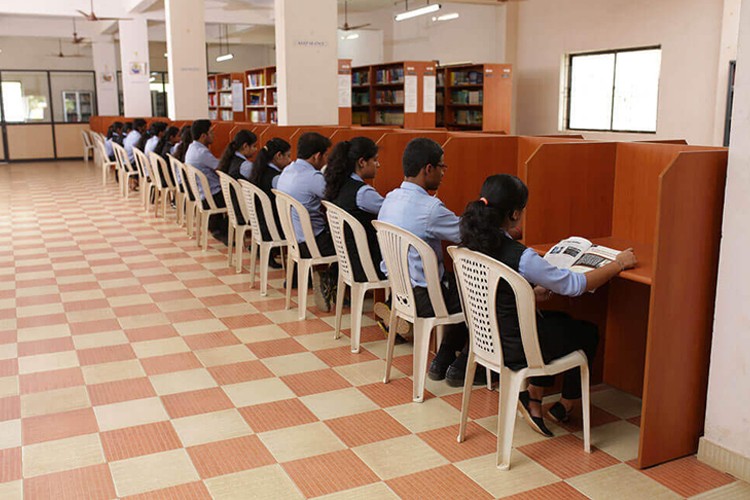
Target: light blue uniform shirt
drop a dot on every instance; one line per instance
(275, 180)
(150, 146)
(246, 167)
(410, 207)
(368, 199)
(129, 143)
(302, 182)
(108, 148)
(201, 158)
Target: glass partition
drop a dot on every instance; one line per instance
(26, 97)
(73, 96)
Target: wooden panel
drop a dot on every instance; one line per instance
(325, 131)
(690, 209)
(420, 119)
(570, 192)
(26, 142)
(346, 134)
(222, 137)
(666, 141)
(68, 140)
(391, 172)
(527, 146)
(498, 97)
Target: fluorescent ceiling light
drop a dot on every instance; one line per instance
(353, 36)
(427, 9)
(446, 17)
(165, 54)
(225, 57)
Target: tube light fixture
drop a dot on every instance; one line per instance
(228, 55)
(427, 9)
(224, 57)
(166, 55)
(353, 36)
(446, 17)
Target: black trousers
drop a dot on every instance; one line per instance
(559, 335)
(324, 242)
(454, 336)
(217, 223)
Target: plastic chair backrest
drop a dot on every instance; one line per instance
(285, 204)
(229, 186)
(187, 183)
(395, 243)
(176, 167)
(122, 158)
(252, 195)
(199, 177)
(153, 165)
(86, 138)
(160, 166)
(142, 163)
(478, 278)
(338, 220)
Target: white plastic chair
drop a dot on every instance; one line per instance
(338, 220)
(104, 162)
(125, 169)
(285, 204)
(395, 243)
(195, 177)
(478, 278)
(191, 198)
(253, 194)
(180, 190)
(146, 180)
(88, 146)
(162, 183)
(236, 233)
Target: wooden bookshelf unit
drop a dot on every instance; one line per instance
(225, 97)
(478, 97)
(213, 98)
(260, 95)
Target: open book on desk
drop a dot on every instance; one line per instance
(579, 255)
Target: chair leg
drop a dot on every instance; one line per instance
(265, 252)
(340, 292)
(230, 242)
(289, 274)
(471, 368)
(389, 346)
(303, 277)
(253, 259)
(586, 408)
(510, 386)
(422, 330)
(358, 304)
(204, 231)
(239, 246)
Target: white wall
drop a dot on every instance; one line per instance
(689, 32)
(38, 53)
(728, 411)
(364, 50)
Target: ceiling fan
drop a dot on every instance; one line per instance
(61, 54)
(346, 26)
(78, 39)
(91, 16)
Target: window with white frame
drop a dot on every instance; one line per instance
(615, 91)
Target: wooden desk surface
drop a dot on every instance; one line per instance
(644, 252)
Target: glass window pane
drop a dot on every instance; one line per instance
(26, 96)
(591, 78)
(73, 96)
(636, 90)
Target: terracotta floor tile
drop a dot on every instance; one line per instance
(271, 348)
(555, 491)
(37, 300)
(10, 408)
(139, 440)
(477, 442)
(211, 340)
(157, 278)
(105, 354)
(240, 372)
(306, 327)
(45, 320)
(137, 310)
(120, 390)
(366, 428)
(170, 363)
(94, 482)
(340, 356)
(598, 417)
(188, 491)
(441, 482)
(565, 457)
(125, 290)
(58, 426)
(150, 333)
(158, 297)
(405, 364)
(54, 379)
(396, 392)
(231, 455)
(85, 305)
(329, 473)
(277, 415)
(184, 404)
(96, 326)
(34, 283)
(483, 403)
(9, 367)
(189, 315)
(8, 337)
(10, 464)
(269, 305)
(222, 300)
(8, 313)
(304, 384)
(687, 476)
(79, 287)
(245, 321)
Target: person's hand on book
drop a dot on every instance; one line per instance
(542, 294)
(626, 259)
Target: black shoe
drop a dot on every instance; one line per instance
(399, 338)
(456, 374)
(536, 423)
(441, 363)
(273, 264)
(558, 413)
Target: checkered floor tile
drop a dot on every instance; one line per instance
(135, 365)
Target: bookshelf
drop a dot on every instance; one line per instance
(226, 96)
(260, 95)
(380, 94)
(440, 97)
(478, 97)
(213, 98)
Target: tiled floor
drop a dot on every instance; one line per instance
(132, 364)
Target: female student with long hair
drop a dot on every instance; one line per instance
(235, 161)
(485, 227)
(186, 137)
(114, 133)
(150, 139)
(165, 145)
(349, 165)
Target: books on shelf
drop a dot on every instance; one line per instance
(273, 79)
(256, 79)
(257, 116)
(273, 116)
(361, 98)
(440, 81)
(255, 99)
(212, 100)
(470, 77)
(212, 114)
(468, 117)
(226, 115)
(225, 99)
(389, 75)
(225, 83)
(361, 78)
(389, 97)
(212, 85)
(360, 117)
(467, 96)
(273, 99)
(389, 117)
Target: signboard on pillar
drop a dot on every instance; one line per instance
(105, 65)
(135, 68)
(345, 92)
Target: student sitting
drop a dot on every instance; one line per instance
(235, 161)
(134, 137)
(303, 181)
(485, 227)
(412, 208)
(270, 162)
(152, 137)
(164, 146)
(127, 127)
(179, 149)
(114, 132)
(199, 156)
